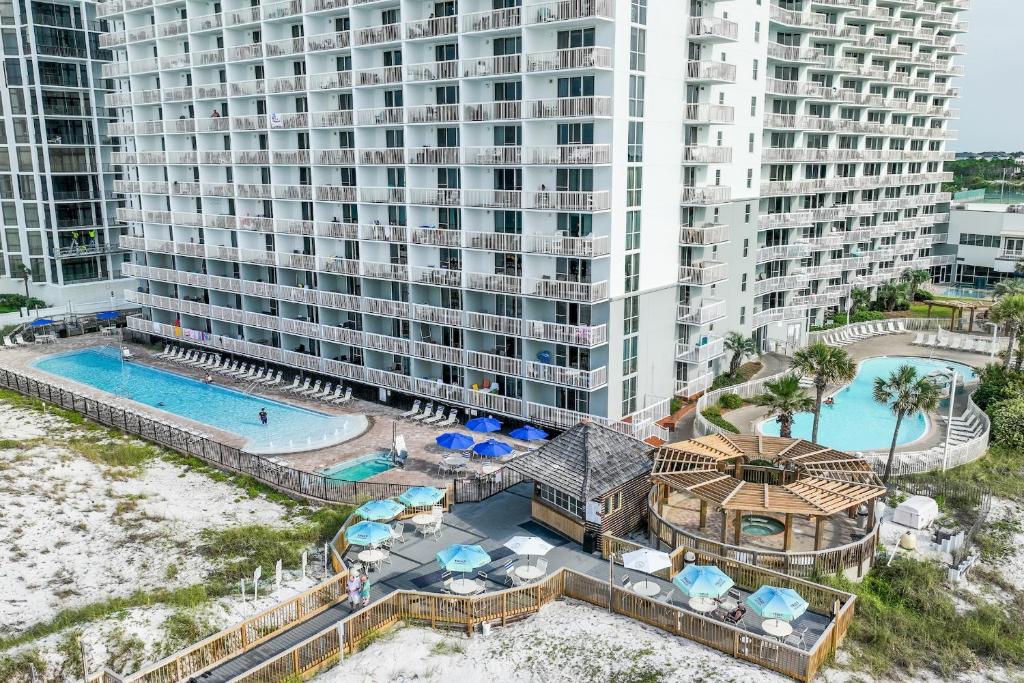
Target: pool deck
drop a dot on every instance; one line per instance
(746, 418)
(424, 454)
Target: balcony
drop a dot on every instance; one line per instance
(706, 154)
(689, 388)
(705, 196)
(563, 290)
(569, 59)
(702, 312)
(568, 200)
(709, 114)
(782, 252)
(433, 27)
(491, 66)
(712, 30)
(492, 20)
(703, 235)
(432, 71)
(569, 10)
(378, 35)
(703, 273)
(780, 283)
(710, 72)
(708, 348)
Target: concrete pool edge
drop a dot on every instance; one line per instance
(930, 424)
(242, 442)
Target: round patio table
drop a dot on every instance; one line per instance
(371, 557)
(455, 460)
(464, 587)
(648, 589)
(703, 605)
(423, 519)
(777, 627)
(529, 572)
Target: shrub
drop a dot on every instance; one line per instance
(923, 295)
(714, 416)
(730, 401)
(15, 301)
(1008, 423)
(997, 384)
(864, 316)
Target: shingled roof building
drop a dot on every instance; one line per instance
(588, 481)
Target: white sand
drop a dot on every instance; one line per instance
(567, 642)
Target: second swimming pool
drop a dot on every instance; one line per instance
(289, 428)
(855, 422)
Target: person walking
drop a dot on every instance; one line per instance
(353, 586)
(364, 589)
(263, 416)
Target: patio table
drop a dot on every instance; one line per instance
(529, 572)
(371, 557)
(777, 627)
(703, 605)
(423, 519)
(464, 587)
(455, 460)
(648, 589)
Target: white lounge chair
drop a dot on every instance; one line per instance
(199, 360)
(185, 357)
(8, 344)
(427, 412)
(918, 339)
(166, 352)
(901, 327)
(337, 394)
(242, 369)
(452, 419)
(313, 389)
(228, 368)
(259, 376)
(346, 398)
(954, 344)
(436, 417)
(932, 340)
(294, 385)
(412, 411)
(328, 388)
(254, 372)
(273, 381)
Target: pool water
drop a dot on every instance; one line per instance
(855, 422)
(965, 292)
(289, 429)
(361, 468)
(755, 525)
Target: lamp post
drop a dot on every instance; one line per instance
(949, 422)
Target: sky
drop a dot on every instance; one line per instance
(992, 91)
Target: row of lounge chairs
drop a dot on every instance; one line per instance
(955, 342)
(18, 341)
(431, 414)
(855, 333)
(213, 362)
(328, 392)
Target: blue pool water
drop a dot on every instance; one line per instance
(360, 468)
(289, 428)
(856, 422)
(965, 292)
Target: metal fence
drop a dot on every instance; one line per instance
(290, 481)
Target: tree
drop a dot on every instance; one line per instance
(827, 365)
(1009, 312)
(859, 298)
(914, 278)
(905, 393)
(740, 346)
(889, 295)
(1009, 286)
(784, 398)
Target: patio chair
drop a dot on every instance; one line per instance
(228, 368)
(667, 598)
(259, 375)
(452, 419)
(294, 385)
(542, 565)
(436, 417)
(277, 379)
(313, 389)
(238, 370)
(300, 389)
(8, 344)
(165, 352)
(345, 398)
(337, 394)
(427, 412)
(626, 583)
(326, 391)
(797, 637)
(932, 340)
(481, 586)
(735, 616)
(514, 580)
(510, 572)
(918, 339)
(199, 359)
(443, 469)
(435, 530)
(436, 510)
(412, 411)
(398, 531)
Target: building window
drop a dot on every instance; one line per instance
(629, 345)
(630, 315)
(637, 49)
(560, 499)
(632, 230)
(750, 144)
(629, 395)
(746, 247)
(753, 105)
(638, 11)
(635, 142)
(743, 282)
(746, 214)
(755, 69)
(743, 315)
(636, 95)
(634, 185)
(613, 502)
(632, 272)
(757, 30)
(750, 177)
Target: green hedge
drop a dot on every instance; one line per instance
(714, 416)
(1008, 423)
(730, 401)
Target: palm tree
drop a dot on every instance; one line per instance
(740, 346)
(888, 295)
(827, 365)
(859, 298)
(905, 393)
(1008, 287)
(1009, 311)
(784, 398)
(914, 277)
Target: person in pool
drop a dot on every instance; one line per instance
(209, 378)
(263, 415)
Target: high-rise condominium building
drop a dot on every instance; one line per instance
(55, 176)
(548, 210)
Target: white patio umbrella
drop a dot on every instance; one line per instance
(646, 560)
(528, 545)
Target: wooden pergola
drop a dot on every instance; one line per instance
(802, 478)
(958, 307)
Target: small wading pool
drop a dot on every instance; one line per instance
(360, 468)
(756, 525)
(290, 428)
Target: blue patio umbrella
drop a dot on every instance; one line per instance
(40, 322)
(528, 433)
(702, 581)
(379, 509)
(454, 441)
(421, 496)
(367, 533)
(107, 315)
(462, 558)
(492, 448)
(770, 602)
(483, 424)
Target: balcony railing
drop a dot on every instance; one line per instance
(701, 312)
(703, 273)
(708, 348)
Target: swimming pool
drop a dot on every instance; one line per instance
(360, 468)
(289, 429)
(855, 422)
(965, 292)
